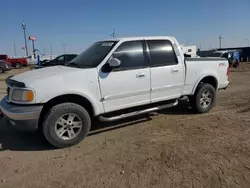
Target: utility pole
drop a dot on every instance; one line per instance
(24, 25)
(14, 49)
(220, 38)
(44, 52)
(113, 34)
(33, 46)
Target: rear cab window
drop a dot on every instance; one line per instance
(161, 53)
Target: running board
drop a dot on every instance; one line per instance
(136, 113)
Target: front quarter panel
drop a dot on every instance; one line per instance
(83, 83)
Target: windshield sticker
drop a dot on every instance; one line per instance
(107, 44)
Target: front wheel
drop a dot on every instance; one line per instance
(204, 98)
(66, 124)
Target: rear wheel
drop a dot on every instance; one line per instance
(204, 98)
(66, 124)
(18, 65)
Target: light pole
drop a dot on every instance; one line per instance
(50, 47)
(24, 25)
(247, 41)
(14, 49)
(220, 38)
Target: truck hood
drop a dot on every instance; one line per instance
(51, 82)
(58, 73)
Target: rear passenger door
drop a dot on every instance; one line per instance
(167, 74)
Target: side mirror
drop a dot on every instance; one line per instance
(114, 63)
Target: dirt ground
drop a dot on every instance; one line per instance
(172, 148)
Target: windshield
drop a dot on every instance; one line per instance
(216, 54)
(93, 55)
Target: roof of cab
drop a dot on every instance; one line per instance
(141, 38)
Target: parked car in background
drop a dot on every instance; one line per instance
(111, 80)
(232, 56)
(15, 62)
(4, 66)
(31, 60)
(60, 60)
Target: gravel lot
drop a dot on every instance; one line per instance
(172, 148)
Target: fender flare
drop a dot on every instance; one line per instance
(201, 78)
(94, 106)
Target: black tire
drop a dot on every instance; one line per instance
(195, 99)
(18, 65)
(53, 116)
(1, 70)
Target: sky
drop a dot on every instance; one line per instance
(73, 25)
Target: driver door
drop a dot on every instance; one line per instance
(128, 85)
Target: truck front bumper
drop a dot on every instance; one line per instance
(23, 117)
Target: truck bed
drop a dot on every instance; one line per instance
(198, 68)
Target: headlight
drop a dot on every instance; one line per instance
(23, 95)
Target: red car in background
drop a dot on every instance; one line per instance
(15, 62)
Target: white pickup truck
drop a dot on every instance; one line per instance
(111, 80)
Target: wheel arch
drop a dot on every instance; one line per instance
(74, 98)
(209, 79)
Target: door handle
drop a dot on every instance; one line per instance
(140, 75)
(174, 70)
